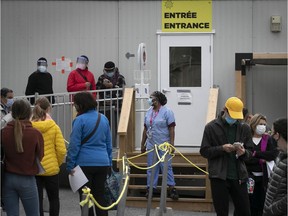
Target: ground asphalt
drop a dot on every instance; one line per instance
(70, 207)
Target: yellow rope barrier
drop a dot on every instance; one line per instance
(168, 148)
(89, 197)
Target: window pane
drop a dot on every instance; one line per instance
(185, 66)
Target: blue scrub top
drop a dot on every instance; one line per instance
(157, 126)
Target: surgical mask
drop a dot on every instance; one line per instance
(230, 120)
(260, 129)
(9, 102)
(81, 66)
(110, 74)
(42, 69)
(150, 102)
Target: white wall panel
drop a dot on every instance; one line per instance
(232, 21)
(138, 22)
(107, 30)
(263, 39)
(52, 29)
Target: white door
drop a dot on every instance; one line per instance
(185, 77)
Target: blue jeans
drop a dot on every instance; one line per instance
(23, 187)
(159, 167)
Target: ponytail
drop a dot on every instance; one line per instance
(18, 135)
(38, 113)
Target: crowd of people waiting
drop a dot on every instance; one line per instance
(247, 161)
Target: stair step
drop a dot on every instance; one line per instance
(183, 176)
(200, 200)
(173, 164)
(186, 188)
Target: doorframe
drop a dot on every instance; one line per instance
(159, 48)
(160, 33)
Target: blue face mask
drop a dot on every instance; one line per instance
(10, 102)
(110, 74)
(230, 120)
(150, 102)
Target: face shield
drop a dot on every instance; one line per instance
(81, 60)
(42, 63)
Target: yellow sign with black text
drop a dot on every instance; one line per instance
(186, 16)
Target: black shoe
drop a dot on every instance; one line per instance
(147, 193)
(173, 194)
(153, 193)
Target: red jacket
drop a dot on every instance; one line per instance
(76, 82)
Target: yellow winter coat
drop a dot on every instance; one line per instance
(54, 146)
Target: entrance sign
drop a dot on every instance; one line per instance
(186, 16)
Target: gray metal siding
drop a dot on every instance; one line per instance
(107, 30)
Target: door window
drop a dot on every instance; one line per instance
(185, 66)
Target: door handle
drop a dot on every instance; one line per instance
(165, 91)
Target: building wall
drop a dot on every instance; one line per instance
(107, 30)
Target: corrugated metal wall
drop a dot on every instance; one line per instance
(107, 30)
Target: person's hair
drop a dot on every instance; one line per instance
(254, 121)
(280, 126)
(84, 101)
(42, 105)
(245, 111)
(21, 110)
(5, 91)
(160, 97)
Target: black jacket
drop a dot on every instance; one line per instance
(254, 165)
(211, 148)
(41, 83)
(276, 195)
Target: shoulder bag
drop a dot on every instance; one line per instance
(92, 132)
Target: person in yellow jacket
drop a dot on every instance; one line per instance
(54, 154)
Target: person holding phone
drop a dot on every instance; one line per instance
(222, 146)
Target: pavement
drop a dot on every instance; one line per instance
(69, 206)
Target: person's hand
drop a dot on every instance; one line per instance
(109, 171)
(143, 149)
(107, 83)
(171, 150)
(88, 84)
(228, 148)
(72, 172)
(240, 151)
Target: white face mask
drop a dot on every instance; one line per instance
(81, 66)
(42, 68)
(260, 129)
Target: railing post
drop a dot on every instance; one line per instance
(122, 203)
(85, 208)
(149, 202)
(164, 187)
